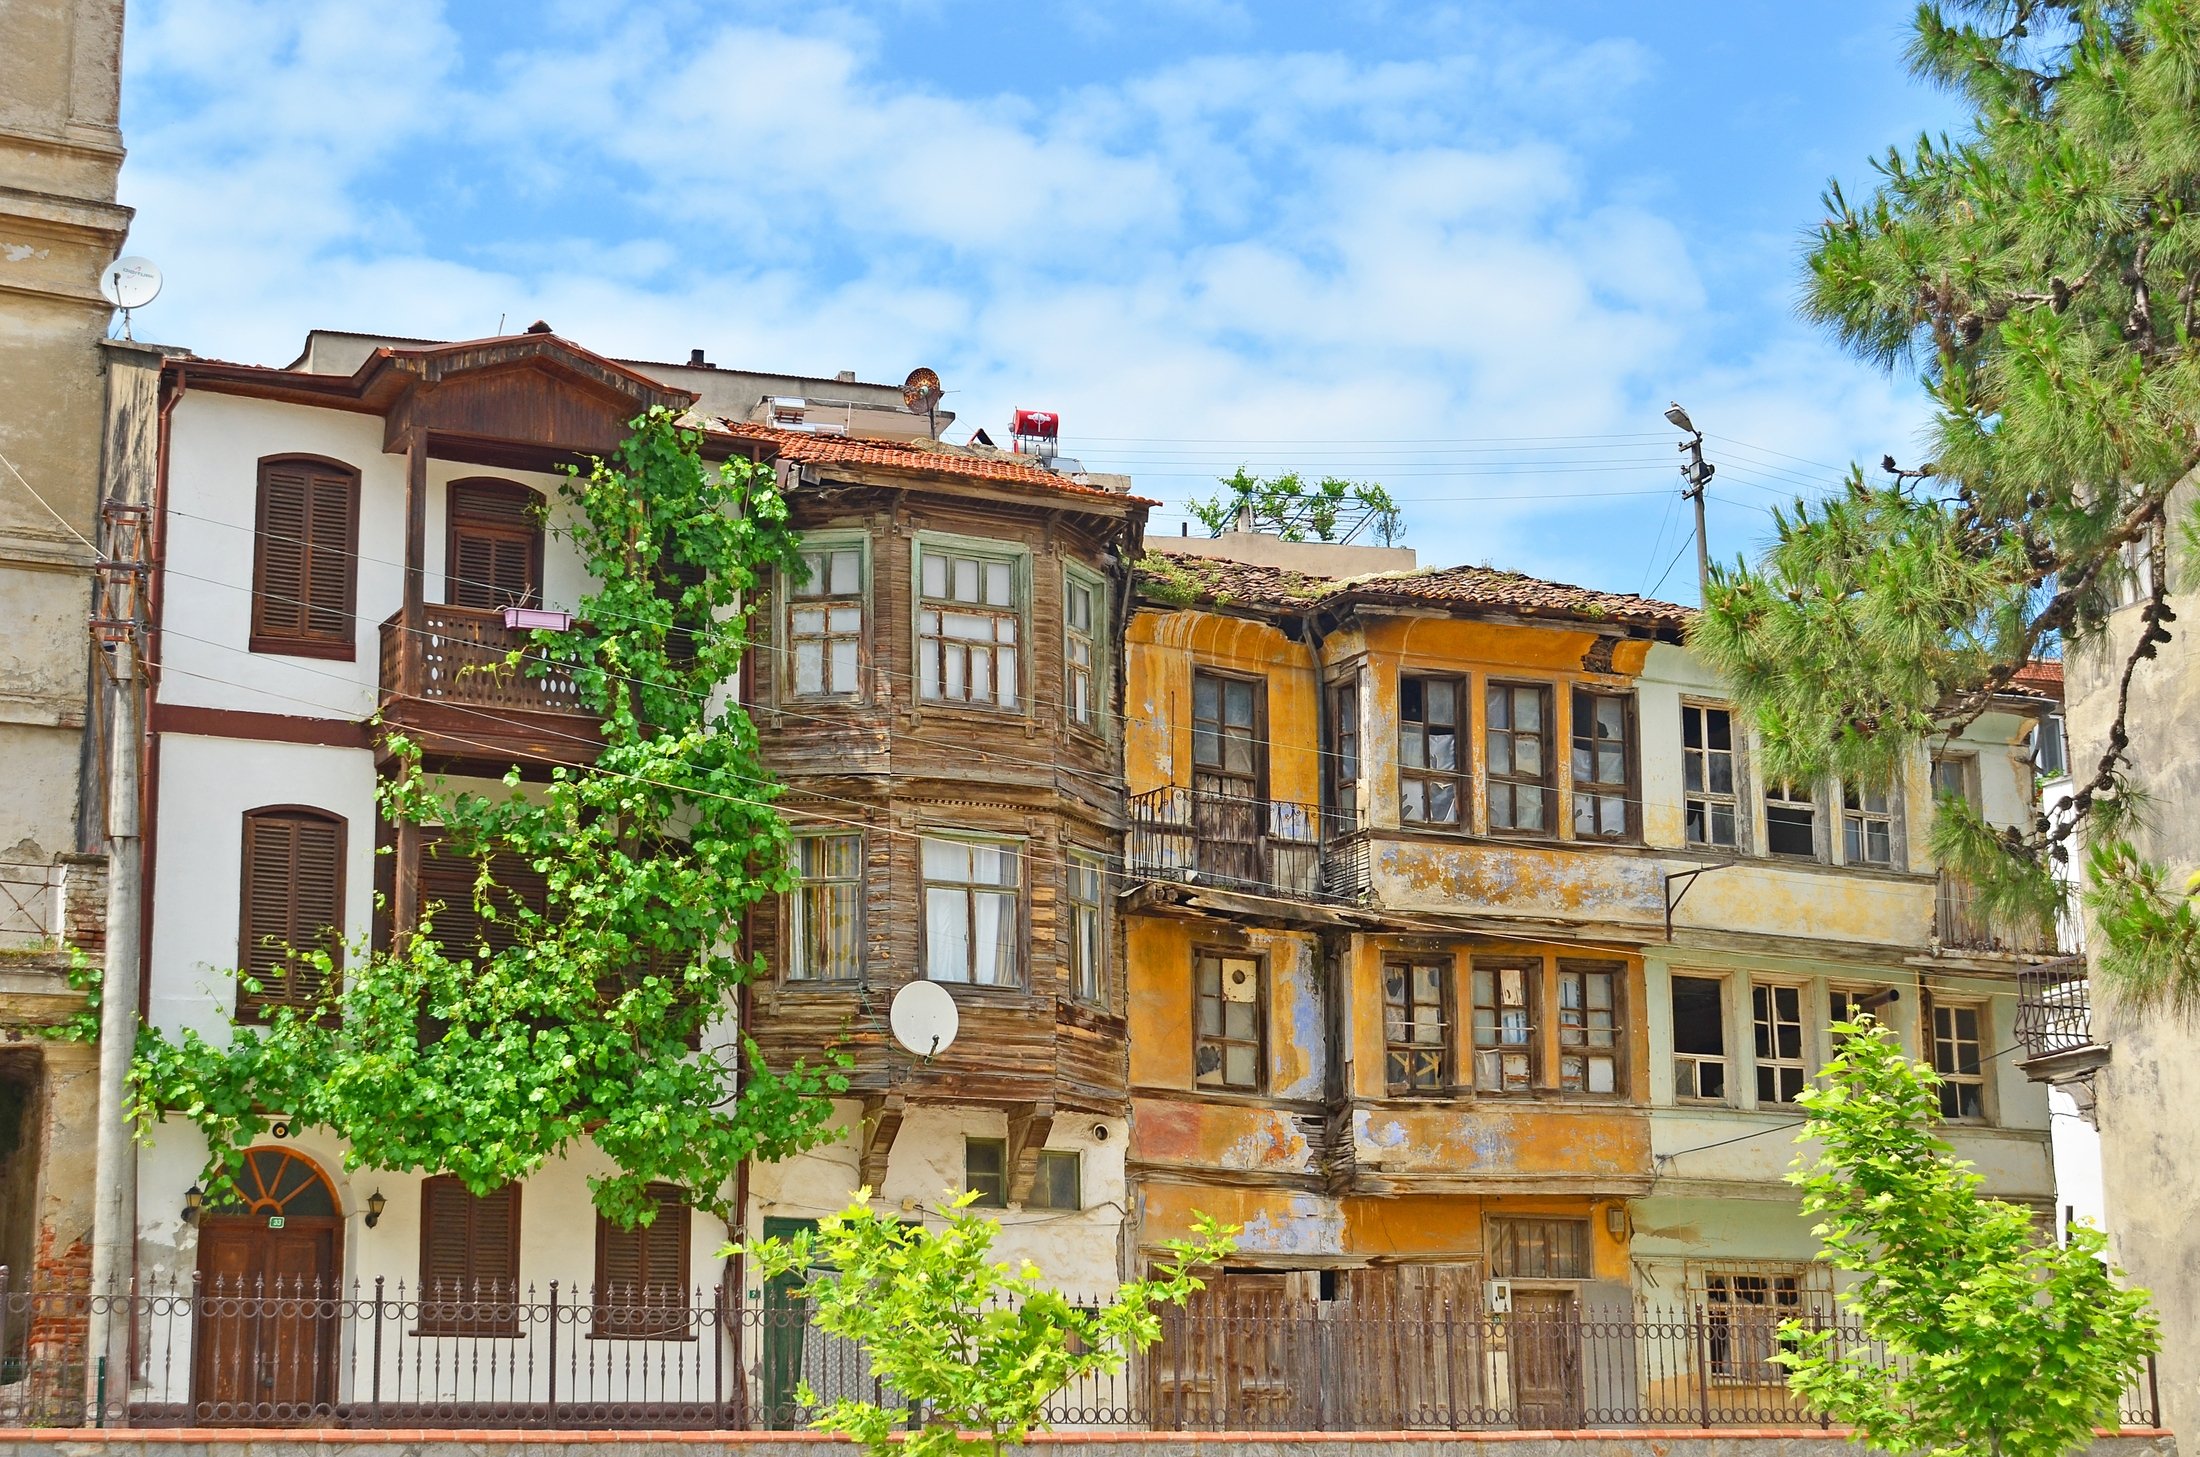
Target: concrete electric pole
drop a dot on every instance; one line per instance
(117, 629)
(1698, 473)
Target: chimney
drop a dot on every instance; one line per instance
(846, 376)
(697, 361)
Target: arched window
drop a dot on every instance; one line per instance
(276, 1181)
(293, 905)
(304, 558)
(494, 557)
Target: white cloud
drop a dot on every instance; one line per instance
(1225, 248)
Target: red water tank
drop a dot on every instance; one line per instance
(1040, 424)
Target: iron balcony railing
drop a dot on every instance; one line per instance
(1263, 846)
(1961, 925)
(2054, 1009)
(277, 1353)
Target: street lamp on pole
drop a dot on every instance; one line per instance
(1698, 473)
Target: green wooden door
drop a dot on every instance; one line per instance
(786, 1323)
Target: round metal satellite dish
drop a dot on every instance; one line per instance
(922, 390)
(131, 282)
(923, 1018)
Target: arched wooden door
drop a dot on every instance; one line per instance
(265, 1349)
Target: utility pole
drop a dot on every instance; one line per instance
(1698, 473)
(117, 630)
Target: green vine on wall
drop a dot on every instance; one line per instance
(601, 1020)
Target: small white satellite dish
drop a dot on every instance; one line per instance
(130, 283)
(923, 1018)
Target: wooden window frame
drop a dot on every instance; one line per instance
(1341, 766)
(502, 1319)
(1257, 779)
(1583, 1045)
(252, 1007)
(1532, 968)
(671, 1204)
(1783, 792)
(1952, 1075)
(1094, 638)
(1863, 816)
(1764, 999)
(1020, 978)
(1717, 1287)
(1724, 1058)
(1628, 787)
(1421, 1076)
(1087, 924)
(801, 911)
(302, 642)
(1018, 560)
(1058, 1156)
(1710, 799)
(988, 1197)
(1501, 1236)
(1202, 956)
(796, 598)
(1460, 777)
(1515, 782)
(457, 522)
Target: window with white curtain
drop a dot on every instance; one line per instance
(972, 926)
(969, 621)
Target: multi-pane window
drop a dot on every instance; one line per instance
(1082, 616)
(469, 1260)
(1416, 1023)
(293, 909)
(1059, 1183)
(1088, 944)
(1742, 1315)
(1603, 764)
(1228, 992)
(1588, 1027)
(2049, 755)
(825, 911)
(1791, 820)
(1845, 1006)
(985, 1171)
(1431, 778)
(304, 561)
(1344, 759)
(1956, 1057)
(1707, 775)
(1867, 826)
(1777, 1009)
(825, 623)
(972, 929)
(1539, 1249)
(1518, 744)
(1504, 1026)
(1699, 1039)
(1952, 776)
(969, 616)
(1226, 714)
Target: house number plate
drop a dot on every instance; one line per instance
(274, 1221)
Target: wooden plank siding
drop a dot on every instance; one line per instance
(895, 767)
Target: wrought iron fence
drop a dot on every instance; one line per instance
(287, 1353)
(1272, 847)
(2054, 1008)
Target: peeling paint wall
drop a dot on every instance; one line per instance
(1163, 649)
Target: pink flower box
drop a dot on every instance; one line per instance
(524, 618)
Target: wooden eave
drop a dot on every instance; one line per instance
(1034, 496)
(1176, 898)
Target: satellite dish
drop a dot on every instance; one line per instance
(130, 283)
(923, 1018)
(922, 391)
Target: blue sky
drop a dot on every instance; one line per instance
(1466, 251)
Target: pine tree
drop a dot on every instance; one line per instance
(2042, 272)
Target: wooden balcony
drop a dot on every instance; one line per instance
(1961, 928)
(464, 686)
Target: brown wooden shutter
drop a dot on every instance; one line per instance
(642, 1274)
(293, 902)
(449, 877)
(304, 559)
(469, 1259)
(495, 549)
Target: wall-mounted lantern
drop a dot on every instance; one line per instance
(194, 1200)
(375, 1205)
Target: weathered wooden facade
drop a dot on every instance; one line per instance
(1470, 965)
(941, 697)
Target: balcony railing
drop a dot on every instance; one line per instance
(1262, 846)
(462, 656)
(2054, 1009)
(380, 1357)
(1961, 925)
